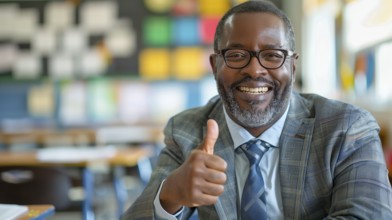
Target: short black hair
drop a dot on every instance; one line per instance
(255, 6)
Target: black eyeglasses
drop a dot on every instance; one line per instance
(269, 58)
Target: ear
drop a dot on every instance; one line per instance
(213, 64)
(294, 65)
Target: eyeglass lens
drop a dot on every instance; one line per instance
(239, 58)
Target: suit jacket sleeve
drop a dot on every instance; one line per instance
(331, 163)
(360, 178)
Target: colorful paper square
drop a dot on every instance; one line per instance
(166, 99)
(207, 29)
(188, 63)
(154, 64)
(133, 101)
(159, 6)
(156, 31)
(102, 101)
(186, 31)
(185, 7)
(213, 8)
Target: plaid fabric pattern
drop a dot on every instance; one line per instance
(253, 203)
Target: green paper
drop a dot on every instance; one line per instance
(156, 31)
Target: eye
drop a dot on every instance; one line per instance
(272, 55)
(236, 55)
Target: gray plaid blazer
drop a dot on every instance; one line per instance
(331, 162)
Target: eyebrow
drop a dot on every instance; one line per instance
(235, 45)
(270, 46)
(267, 46)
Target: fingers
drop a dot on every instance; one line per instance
(215, 177)
(206, 194)
(203, 199)
(212, 189)
(211, 137)
(216, 163)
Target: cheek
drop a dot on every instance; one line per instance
(226, 77)
(224, 74)
(217, 68)
(220, 65)
(285, 76)
(221, 79)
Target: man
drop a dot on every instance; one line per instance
(320, 159)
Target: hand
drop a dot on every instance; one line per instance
(199, 180)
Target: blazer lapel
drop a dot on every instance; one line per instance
(295, 143)
(226, 206)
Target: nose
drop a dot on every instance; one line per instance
(254, 69)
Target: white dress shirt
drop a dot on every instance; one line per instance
(268, 167)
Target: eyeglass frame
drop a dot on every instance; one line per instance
(287, 53)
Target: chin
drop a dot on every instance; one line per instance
(256, 113)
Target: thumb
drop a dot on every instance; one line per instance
(211, 137)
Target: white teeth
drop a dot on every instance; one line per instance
(259, 90)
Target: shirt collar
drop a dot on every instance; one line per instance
(240, 135)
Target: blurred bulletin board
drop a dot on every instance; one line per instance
(68, 39)
(146, 39)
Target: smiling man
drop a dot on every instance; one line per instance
(260, 150)
(255, 92)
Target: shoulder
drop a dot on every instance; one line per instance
(323, 108)
(333, 118)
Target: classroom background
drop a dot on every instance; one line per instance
(93, 73)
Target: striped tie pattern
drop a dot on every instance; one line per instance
(253, 202)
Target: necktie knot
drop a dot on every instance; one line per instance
(255, 149)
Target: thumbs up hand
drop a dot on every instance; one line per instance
(199, 180)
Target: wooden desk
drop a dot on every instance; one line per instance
(123, 157)
(38, 212)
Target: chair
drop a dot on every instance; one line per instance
(35, 185)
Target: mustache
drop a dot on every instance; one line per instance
(250, 79)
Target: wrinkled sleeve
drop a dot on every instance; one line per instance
(361, 186)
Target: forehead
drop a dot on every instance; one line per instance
(255, 28)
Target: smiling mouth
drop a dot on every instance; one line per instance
(255, 91)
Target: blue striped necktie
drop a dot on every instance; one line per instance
(253, 202)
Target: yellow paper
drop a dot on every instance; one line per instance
(154, 64)
(41, 100)
(188, 63)
(214, 8)
(159, 6)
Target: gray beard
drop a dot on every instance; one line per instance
(253, 117)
